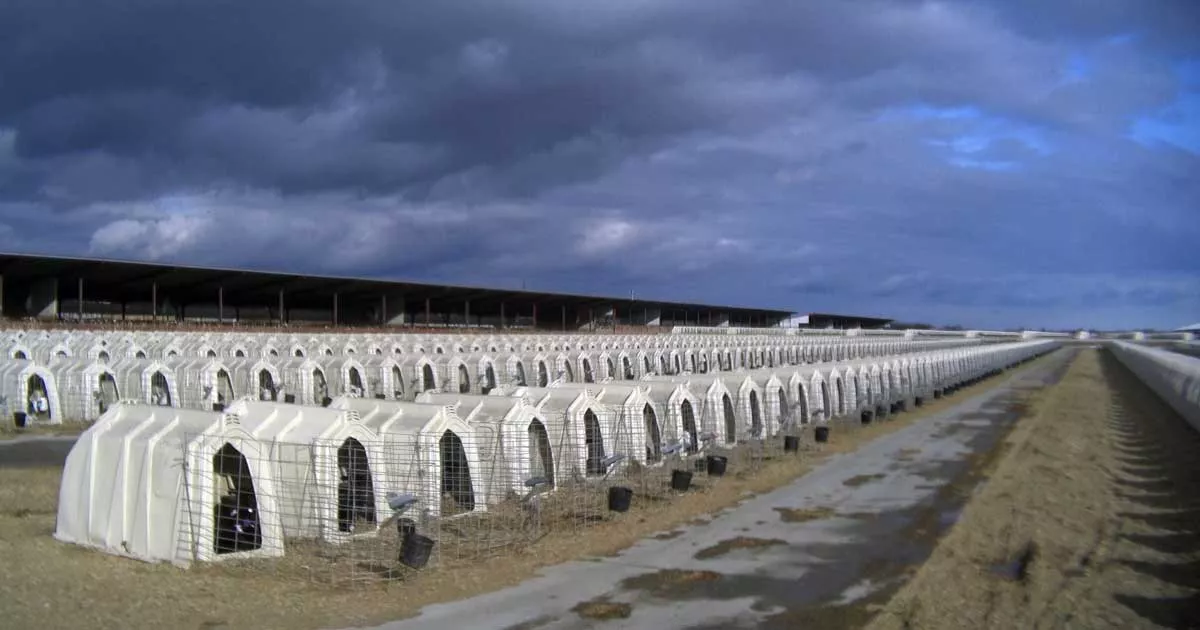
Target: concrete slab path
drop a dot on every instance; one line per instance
(33, 451)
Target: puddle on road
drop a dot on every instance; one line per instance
(741, 542)
(796, 515)
(668, 582)
(862, 480)
(602, 609)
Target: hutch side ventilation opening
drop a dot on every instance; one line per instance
(397, 383)
(756, 424)
(320, 388)
(464, 380)
(569, 372)
(594, 442)
(225, 394)
(356, 492)
(520, 374)
(730, 419)
(107, 392)
(825, 399)
(688, 420)
(356, 379)
(627, 368)
(237, 525)
(653, 436)
(39, 399)
(267, 389)
(489, 380)
(160, 390)
(541, 457)
(588, 375)
(785, 413)
(458, 493)
(841, 394)
(428, 380)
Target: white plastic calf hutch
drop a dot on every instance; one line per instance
(304, 382)
(514, 445)
(255, 377)
(717, 414)
(29, 393)
(385, 379)
(581, 428)
(204, 382)
(151, 382)
(326, 466)
(166, 484)
(86, 389)
(426, 451)
(346, 374)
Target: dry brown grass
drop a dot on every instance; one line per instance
(1091, 520)
(47, 584)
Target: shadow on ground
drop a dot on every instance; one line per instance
(1159, 472)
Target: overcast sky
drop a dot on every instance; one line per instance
(990, 164)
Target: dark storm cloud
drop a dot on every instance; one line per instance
(888, 157)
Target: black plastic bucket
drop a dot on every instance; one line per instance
(218, 406)
(619, 498)
(937, 393)
(326, 401)
(821, 434)
(902, 406)
(405, 527)
(289, 399)
(415, 550)
(681, 480)
(380, 396)
(918, 401)
(19, 419)
(867, 416)
(716, 465)
(791, 444)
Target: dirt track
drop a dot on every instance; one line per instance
(1092, 520)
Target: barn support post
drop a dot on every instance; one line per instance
(564, 317)
(502, 315)
(535, 315)
(282, 315)
(79, 306)
(428, 313)
(220, 304)
(467, 313)
(154, 302)
(383, 320)
(335, 308)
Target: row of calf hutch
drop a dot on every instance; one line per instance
(163, 483)
(52, 377)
